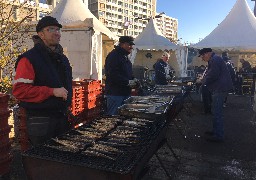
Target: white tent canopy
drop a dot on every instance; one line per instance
(236, 32)
(74, 12)
(152, 38)
(82, 37)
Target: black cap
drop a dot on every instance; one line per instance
(225, 56)
(203, 51)
(47, 21)
(126, 39)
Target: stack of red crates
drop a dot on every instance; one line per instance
(23, 133)
(86, 100)
(5, 144)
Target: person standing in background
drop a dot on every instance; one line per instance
(119, 78)
(219, 83)
(43, 83)
(162, 70)
(246, 66)
(232, 73)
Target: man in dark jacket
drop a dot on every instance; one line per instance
(231, 70)
(162, 70)
(43, 83)
(119, 79)
(246, 66)
(218, 81)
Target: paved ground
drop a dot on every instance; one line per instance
(201, 160)
(234, 159)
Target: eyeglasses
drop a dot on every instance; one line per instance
(53, 30)
(203, 54)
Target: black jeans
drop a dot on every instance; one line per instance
(42, 128)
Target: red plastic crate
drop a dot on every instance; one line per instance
(5, 165)
(88, 84)
(4, 98)
(5, 151)
(4, 119)
(4, 134)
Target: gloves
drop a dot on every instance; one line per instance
(132, 83)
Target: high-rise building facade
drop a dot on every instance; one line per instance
(128, 17)
(168, 26)
(38, 8)
(123, 16)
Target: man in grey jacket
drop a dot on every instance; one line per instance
(218, 81)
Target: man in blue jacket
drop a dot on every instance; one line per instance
(119, 79)
(218, 81)
(162, 70)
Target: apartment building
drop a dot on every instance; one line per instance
(168, 26)
(129, 17)
(123, 16)
(39, 8)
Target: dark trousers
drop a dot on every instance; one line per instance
(207, 99)
(218, 124)
(42, 128)
(113, 102)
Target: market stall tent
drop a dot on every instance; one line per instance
(236, 32)
(149, 46)
(152, 38)
(82, 38)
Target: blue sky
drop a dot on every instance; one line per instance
(197, 18)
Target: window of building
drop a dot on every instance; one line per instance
(120, 3)
(101, 13)
(102, 5)
(42, 14)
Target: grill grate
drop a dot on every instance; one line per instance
(106, 152)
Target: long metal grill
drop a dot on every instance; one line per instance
(148, 107)
(114, 144)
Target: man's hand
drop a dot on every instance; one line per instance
(60, 92)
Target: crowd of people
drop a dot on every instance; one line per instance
(237, 75)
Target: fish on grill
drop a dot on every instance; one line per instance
(89, 129)
(114, 143)
(103, 127)
(93, 135)
(96, 154)
(128, 132)
(128, 128)
(124, 141)
(134, 123)
(107, 120)
(106, 148)
(65, 145)
(142, 120)
(122, 135)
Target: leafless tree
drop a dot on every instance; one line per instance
(15, 18)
